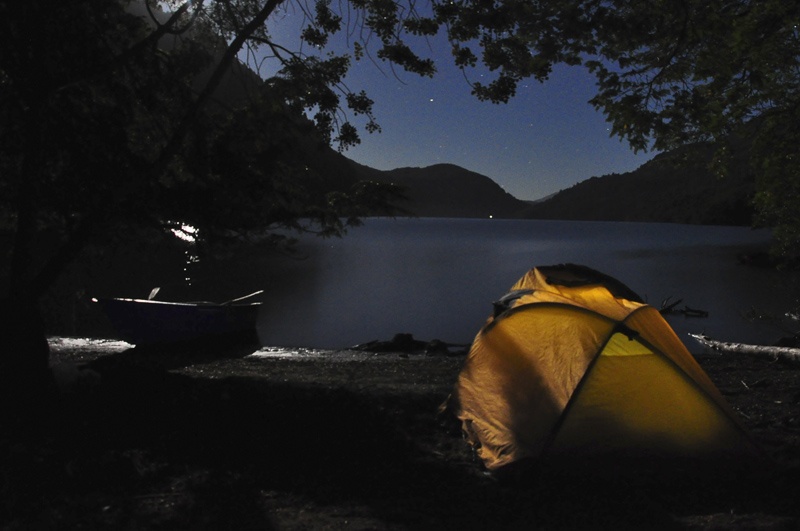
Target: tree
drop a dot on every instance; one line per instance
(669, 73)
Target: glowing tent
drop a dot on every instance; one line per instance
(573, 363)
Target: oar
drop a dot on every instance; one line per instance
(259, 292)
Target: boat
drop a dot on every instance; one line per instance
(148, 321)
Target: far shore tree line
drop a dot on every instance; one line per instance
(111, 121)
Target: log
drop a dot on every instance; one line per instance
(761, 351)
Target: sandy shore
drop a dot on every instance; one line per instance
(255, 438)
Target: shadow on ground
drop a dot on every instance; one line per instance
(152, 449)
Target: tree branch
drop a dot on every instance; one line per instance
(124, 57)
(173, 145)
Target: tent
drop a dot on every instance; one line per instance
(574, 363)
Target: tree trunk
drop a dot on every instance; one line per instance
(24, 351)
(26, 384)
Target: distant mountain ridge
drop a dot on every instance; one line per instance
(674, 187)
(447, 190)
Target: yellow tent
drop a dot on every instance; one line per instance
(573, 363)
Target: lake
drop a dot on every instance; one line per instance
(437, 278)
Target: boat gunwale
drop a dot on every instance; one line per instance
(197, 304)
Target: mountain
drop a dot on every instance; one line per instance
(674, 187)
(447, 190)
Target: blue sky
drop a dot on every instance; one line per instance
(546, 139)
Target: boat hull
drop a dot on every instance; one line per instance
(149, 322)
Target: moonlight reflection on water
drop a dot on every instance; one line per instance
(436, 278)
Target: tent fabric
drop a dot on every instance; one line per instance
(574, 363)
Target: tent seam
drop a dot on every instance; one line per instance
(551, 437)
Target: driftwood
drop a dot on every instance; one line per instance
(670, 308)
(762, 351)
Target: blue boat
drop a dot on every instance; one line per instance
(146, 322)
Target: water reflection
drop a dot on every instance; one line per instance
(184, 231)
(436, 278)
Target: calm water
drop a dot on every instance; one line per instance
(436, 278)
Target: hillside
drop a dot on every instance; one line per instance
(674, 187)
(447, 190)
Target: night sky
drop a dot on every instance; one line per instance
(546, 139)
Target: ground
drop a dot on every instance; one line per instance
(216, 438)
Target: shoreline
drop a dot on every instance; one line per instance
(344, 440)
